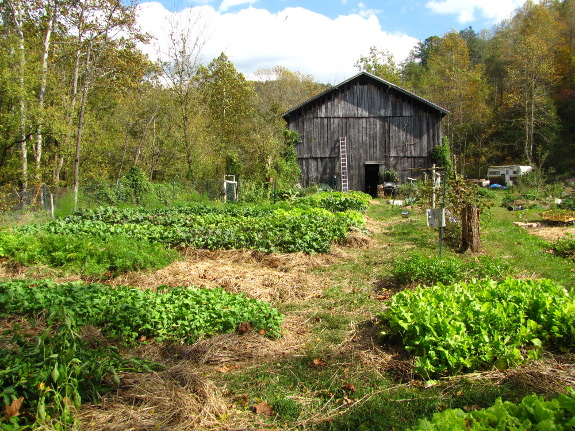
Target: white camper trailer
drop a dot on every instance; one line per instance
(506, 175)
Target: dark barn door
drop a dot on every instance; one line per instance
(371, 178)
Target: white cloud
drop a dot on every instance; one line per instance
(296, 38)
(493, 10)
(226, 4)
(364, 12)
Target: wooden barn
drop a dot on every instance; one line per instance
(361, 127)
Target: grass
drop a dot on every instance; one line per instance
(527, 253)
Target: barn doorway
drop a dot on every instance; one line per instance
(371, 178)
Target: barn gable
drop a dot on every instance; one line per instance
(385, 126)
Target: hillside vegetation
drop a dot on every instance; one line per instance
(80, 107)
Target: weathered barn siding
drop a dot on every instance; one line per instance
(383, 125)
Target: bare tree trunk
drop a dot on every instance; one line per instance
(154, 155)
(81, 127)
(124, 152)
(41, 94)
(470, 228)
(139, 149)
(57, 164)
(13, 16)
(59, 158)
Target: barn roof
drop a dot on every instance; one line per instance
(375, 78)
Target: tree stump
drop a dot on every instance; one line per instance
(470, 228)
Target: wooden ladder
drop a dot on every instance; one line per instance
(343, 161)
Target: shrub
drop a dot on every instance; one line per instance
(568, 203)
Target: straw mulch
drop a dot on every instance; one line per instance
(552, 374)
(174, 399)
(182, 397)
(275, 278)
(234, 350)
(553, 233)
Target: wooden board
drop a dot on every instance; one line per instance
(564, 216)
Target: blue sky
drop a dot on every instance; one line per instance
(317, 37)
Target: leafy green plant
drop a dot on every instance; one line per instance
(532, 413)
(421, 269)
(85, 254)
(389, 176)
(178, 313)
(136, 185)
(465, 327)
(441, 155)
(54, 371)
(337, 201)
(307, 227)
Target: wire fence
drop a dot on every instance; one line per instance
(42, 197)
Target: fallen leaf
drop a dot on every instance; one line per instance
(349, 387)
(262, 332)
(225, 368)
(318, 362)
(347, 401)
(263, 408)
(13, 409)
(245, 327)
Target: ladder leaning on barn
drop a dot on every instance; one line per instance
(343, 161)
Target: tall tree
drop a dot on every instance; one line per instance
(13, 17)
(452, 81)
(380, 62)
(99, 26)
(527, 43)
(564, 96)
(280, 89)
(230, 102)
(187, 38)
